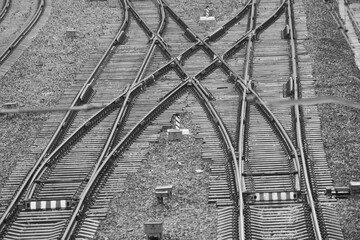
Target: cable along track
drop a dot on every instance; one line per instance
(206, 68)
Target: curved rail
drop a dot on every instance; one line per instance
(107, 159)
(297, 157)
(254, 33)
(24, 32)
(353, 19)
(60, 132)
(222, 30)
(75, 137)
(5, 9)
(98, 175)
(244, 110)
(133, 90)
(299, 137)
(220, 62)
(289, 146)
(230, 151)
(248, 38)
(162, 24)
(272, 18)
(81, 207)
(339, 22)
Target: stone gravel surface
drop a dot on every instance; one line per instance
(15, 20)
(50, 64)
(186, 215)
(337, 75)
(47, 68)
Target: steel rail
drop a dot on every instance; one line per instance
(218, 121)
(75, 137)
(131, 90)
(299, 136)
(290, 148)
(188, 32)
(339, 23)
(121, 146)
(222, 30)
(61, 130)
(13, 204)
(91, 80)
(353, 19)
(136, 84)
(222, 128)
(202, 43)
(5, 9)
(129, 96)
(118, 36)
(254, 33)
(117, 151)
(162, 24)
(272, 18)
(230, 151)
(283, 135)
(244, 107)
(22, 35)
(141, 22)
(152, 37)
(287, 141)
(71, 226)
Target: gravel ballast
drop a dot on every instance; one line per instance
(40, 76)
(186, 215)
(337, 75)
(15, 20)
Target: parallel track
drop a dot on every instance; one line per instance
(256, 151)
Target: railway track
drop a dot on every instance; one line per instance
(261, 178)
(6, 52)
(4, 9)
(276, 157)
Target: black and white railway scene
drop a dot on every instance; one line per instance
(179, 119)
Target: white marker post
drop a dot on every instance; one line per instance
(208, 15)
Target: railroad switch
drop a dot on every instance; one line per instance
(153, 230)
(163, 191)
(86, 94)
(285, 34)
(288, 88)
